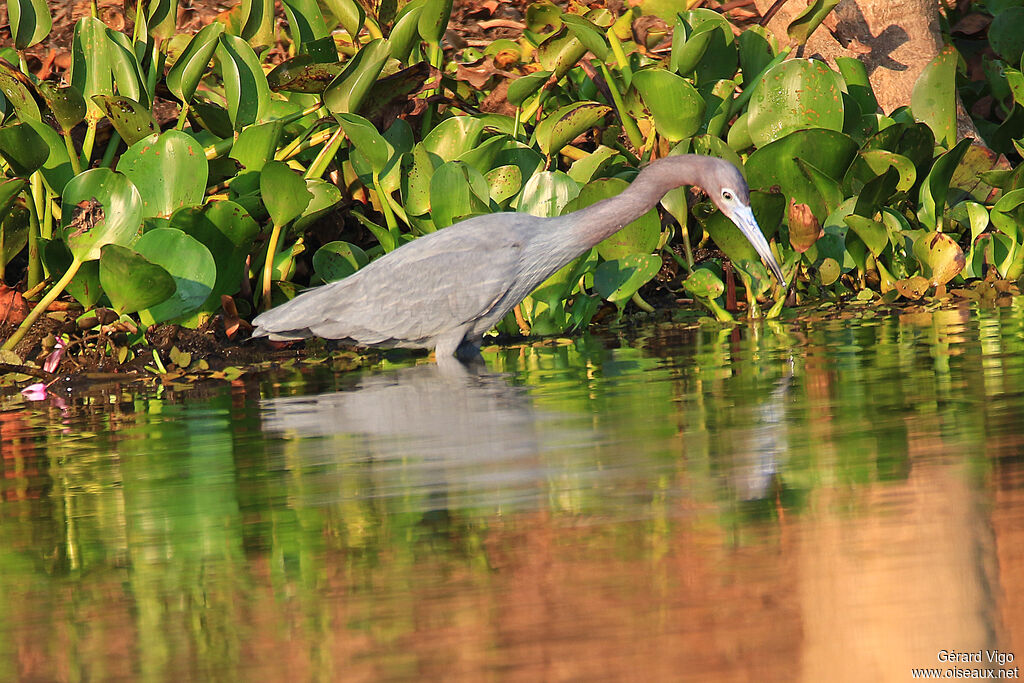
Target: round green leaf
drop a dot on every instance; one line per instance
(337, 260)
(227, 230)
(720, 58)
(941, 257)
(433, 20)
(794, 95)
(100, 207)
(283, 191)
(18, 90)
(704, 283)
(91, 67)
(347, 91)
(132, 282)
(933, 99)
(454, 137)
(677, 107)
(189, 263)
(1005, 34)
(169, 169)
(132, 120)
(57, 169)
(324, 197)
(23, 148)
(457, 190)
(370, 143)
(619, 279)
(503, 183)
(546, 193)
(66, 104)
(562, 127)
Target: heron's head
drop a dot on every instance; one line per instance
(726, 187)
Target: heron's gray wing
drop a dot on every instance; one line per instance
(428, 287)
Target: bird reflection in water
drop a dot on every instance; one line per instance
(448, 431)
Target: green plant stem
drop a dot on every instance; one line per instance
(319, 165)
(46, 227)
(628, 124)
(43, 304)
(35, 262)
(76, 163)
(268, 265)
(385, 207)
(299, 143)
(108, 153)
(620, 56)
(182, 117)
(88, 142)
(641, 304)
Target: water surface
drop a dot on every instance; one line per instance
(821, 500)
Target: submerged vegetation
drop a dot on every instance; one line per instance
(372, 122)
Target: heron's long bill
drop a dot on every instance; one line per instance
(744, 219)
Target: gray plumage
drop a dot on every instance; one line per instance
(446, 289)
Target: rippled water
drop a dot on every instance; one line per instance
(822, 500)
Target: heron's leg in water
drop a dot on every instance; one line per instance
(448, 343)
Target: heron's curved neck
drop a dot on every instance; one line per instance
(605, 218)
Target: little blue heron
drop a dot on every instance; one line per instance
(444, 290)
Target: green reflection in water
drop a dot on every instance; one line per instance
(253, 527)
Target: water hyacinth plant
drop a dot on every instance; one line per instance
(370, 119)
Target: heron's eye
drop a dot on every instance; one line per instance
(727, 195)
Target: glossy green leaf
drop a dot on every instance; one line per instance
(1006, 34)
(337, 260)
(721, 56)
(13, 225)
(524, 86)
(23, 148)
(972, 215)
(560, 53)
(757, 48)
(932, 200)
(161, 17)
(305, 22)
(30, 21)
(257, 19)
(880, 160)
(283, 191)
(857, 83)
(801, 28)
(350, 14)
(940, 256)
(346, 92)
(169, 170)
(10, 188)
(933, 99)
(117, 218)
(132, 120)
(704, 283)
(125, 68)
(873, 233)
(131, 281)
(365, 137)
(587, 33)
(546, 194)
(504, 183)
(688, 50)
(227, 230)
(619, 279)
(639, 237)
(794, 95)
(804, 165)
(245, 84)
(457, 190)
(419, 169)
(66, 104)
(57, 169)
(91, 71)
(190, 264)
(85, 286)
(677, 107)
(19, 91)
(564, 125)
(433, 20)
(405, 33)
(454, 137)
(324, 196)
(186, 72)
